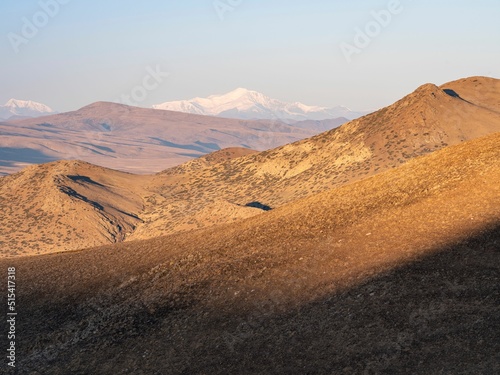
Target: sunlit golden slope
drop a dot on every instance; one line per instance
(297, 278)
(67, 205)
(480, 91)
(424, 121)
(71, 205)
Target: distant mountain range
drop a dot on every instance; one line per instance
(238, 104)
(370, 248)
(145, 140)
(225, 185)
(246, 104)
(15, 109)
(140, 140)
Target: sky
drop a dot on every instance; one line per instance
(364, 54)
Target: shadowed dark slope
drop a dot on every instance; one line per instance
(437, 315)
(398, 273)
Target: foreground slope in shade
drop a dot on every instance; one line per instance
(422, 122)
(396, 273)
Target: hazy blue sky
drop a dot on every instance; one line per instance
(290, 50)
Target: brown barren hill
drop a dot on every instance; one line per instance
(236, 183)
(133, 139)
(397, 273)
(480, 91)
(67, 205)
(70, 205)
(422, 122)
(216, 157)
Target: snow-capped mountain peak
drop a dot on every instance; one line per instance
(247, 104)
(28, 104)
(24, 108)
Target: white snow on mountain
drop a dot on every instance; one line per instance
(246, 104)
(24, 108)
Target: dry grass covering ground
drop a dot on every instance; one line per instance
(427, 120)
(48, 210)
(67, 205)
(398, 273)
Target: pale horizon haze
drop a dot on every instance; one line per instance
(87, 51)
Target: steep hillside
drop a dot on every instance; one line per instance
(67, 205)
(216, 157)
(230, 184)
(424, 121)
(480, 91)
(397, 273)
